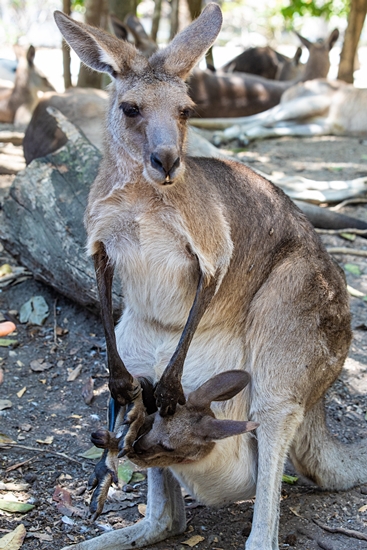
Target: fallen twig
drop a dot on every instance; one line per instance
(17, 273)
(55, 324)
(341, 231)
(16, 445)
(347, 532)
(346, 202)
(19, 464)
(352, 251)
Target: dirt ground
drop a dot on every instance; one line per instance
(51, 423)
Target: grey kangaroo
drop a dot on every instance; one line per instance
(220, 272)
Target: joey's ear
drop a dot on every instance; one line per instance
(186, 49)
(95, 47)
(334, 35)
(212, 429)
(221, 387)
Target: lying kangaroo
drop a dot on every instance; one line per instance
(220, 271)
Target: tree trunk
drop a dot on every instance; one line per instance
(122, 8)
(356, 18)
(96, 15)
(66, 8)
(194, 8)
(175, 4)
(155, 20)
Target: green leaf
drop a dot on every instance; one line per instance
(10, 506)
(289, 479)
(352, 268)
(92, 453)
(348, 236)
(137, 477)
(6, 342)
(125, 471)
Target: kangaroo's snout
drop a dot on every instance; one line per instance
(166, 162)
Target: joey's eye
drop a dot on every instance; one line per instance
(129, 109)
(185, 113)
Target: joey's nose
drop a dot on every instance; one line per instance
(165, 163)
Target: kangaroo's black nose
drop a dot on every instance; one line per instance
(166, 163)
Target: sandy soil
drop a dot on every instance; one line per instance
(51, 423)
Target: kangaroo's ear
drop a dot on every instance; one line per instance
(221, 387)
(297, 56)
(187, 48)
(31, 53)
(334, 35)
(212, 429)
(119, 28)
(303, 40)
(95, 47)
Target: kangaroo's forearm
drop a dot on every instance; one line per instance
(121, 381)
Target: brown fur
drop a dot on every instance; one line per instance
(220, 272)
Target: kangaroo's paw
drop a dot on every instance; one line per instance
(104, 475)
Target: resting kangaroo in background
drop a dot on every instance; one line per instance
(241, 94)
(220, 272)
(24, 96)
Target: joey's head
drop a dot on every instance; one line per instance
(149, 105)
(190, 434)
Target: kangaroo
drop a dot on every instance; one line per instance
(267, 62)
(19, 102)
(220, 271)
(314, 108)
(240, 94)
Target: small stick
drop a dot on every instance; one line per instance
(341, 231)
(342, 531)
(352, 251)
(16, 445)
(16, 466)
(55, 323)
(346, 202)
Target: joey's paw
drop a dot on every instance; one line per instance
(134, 419)
(123, 392)
(103, 439)
(104, 475)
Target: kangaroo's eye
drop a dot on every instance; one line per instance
(185, 113)
(129, 109)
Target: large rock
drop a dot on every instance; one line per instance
(42, 218)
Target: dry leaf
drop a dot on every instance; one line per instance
(13, 540)
(5, 404)
(21, 392)
(362, 508)
(1, 376)
(295, 512)
(87, 391)
(25, 427)
(39, 365)
(4, 439)
(47, 441)
(142, 509)
(13, 486)
(73, 375)
(193, 541)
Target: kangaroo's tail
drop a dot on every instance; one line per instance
(318, 455)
